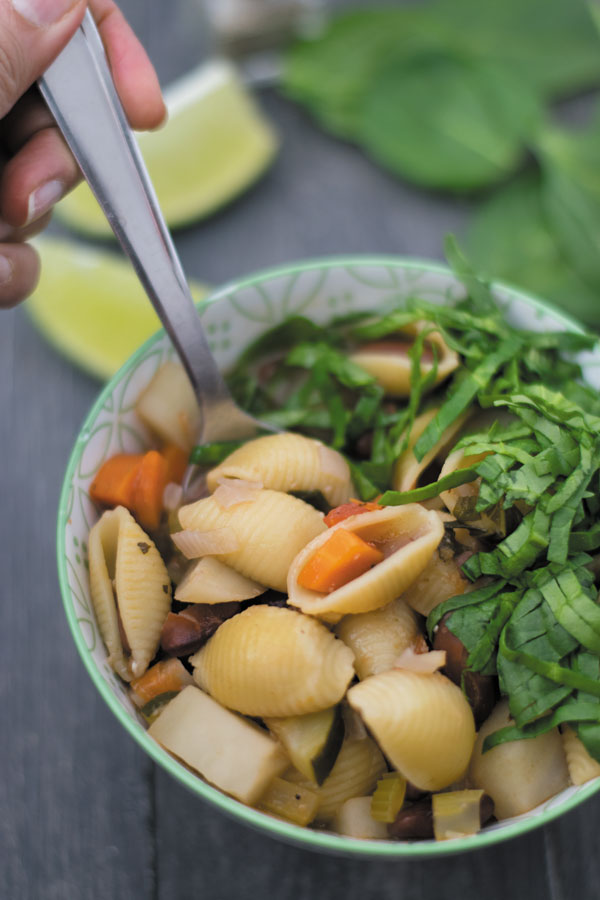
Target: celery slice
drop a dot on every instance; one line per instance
(456, 814)
(388, 797)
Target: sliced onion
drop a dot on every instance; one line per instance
(172, 496)
(333, 463)
(205, 543)
(426, 663)
(232, 491)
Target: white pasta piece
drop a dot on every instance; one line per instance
(378, 638)
(271, 661)
(288, 462)
(422, 722)
(231, 491)
(408, 469)
(407, 535)
(211, 581)
(128, 581)
(582, 767)
(356, 771)
(439, 580)
(518, 775)
(270, 531)
(392, 368)
(169, 408)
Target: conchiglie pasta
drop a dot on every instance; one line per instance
(288, 462)
(439, 580)
(422, 722)
(270, 661)
(391, 366)
(357, 769)
(582, 767)
(406, 535)
(168, 406)
(128, 581)
(270, 530)
(378, 638)
(408, 468)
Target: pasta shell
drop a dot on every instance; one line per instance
(422, 722)
(288, 462)
(270, 531)
(168, 406)
(128, 581)
(378, 638)
(408, 469)
(439, 580)
(392, 368)
(270, 661)
(407, 535)
(357, 769)
(582, 767)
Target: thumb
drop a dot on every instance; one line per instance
(32, 34)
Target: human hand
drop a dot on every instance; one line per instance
(36, 166)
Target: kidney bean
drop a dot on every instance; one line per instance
(185, 632)
(415, 821)
(479, 689)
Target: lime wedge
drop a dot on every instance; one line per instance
(90, 305)
(215, 144)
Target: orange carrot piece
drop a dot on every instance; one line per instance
(148, 490)
(343, 557)
(177, 460)
(161, 678)
(114, 482)
(352, 508)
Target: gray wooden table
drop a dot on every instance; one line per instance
(83, 812)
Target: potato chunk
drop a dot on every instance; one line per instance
(518, 775)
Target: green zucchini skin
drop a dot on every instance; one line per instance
(312, 741)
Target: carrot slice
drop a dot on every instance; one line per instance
(352, 508)
(161, 678)
(114, 482)
(343, 557)
(148, 490)
(177, 460)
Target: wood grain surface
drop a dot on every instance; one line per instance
(84, 814)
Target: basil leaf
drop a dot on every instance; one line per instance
(427, 491)
(510, 238)
(444, 120)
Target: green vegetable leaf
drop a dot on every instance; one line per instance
(447, 121)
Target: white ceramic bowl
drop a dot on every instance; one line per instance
(233, 318)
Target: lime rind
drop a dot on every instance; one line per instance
(215, 144)
(91, 307)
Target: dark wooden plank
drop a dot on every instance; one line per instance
(203, 852)
(75, 804)
(573, 860)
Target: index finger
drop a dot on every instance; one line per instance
(133, 73)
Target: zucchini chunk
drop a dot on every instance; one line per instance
(312, 741)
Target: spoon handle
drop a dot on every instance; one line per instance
(80, 92)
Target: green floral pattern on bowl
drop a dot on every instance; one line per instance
(233, 318)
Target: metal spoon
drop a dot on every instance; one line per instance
(80, 92)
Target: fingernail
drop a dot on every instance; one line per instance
(43, 199)
(6, 270)
(42, 13)
(5, 230)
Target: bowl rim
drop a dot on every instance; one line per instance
(307, 838)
